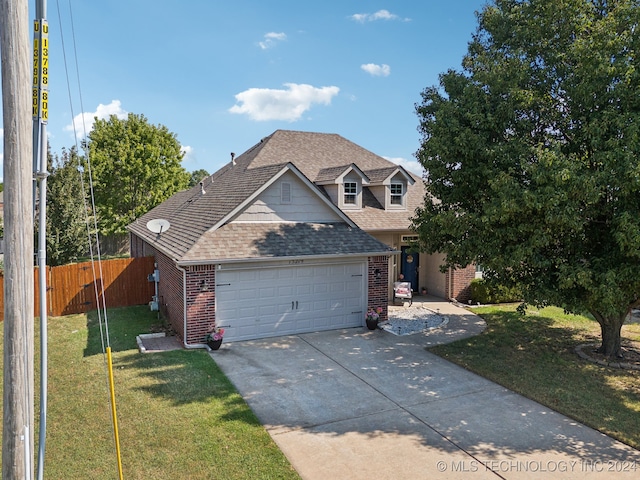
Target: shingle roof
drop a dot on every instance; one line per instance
(380, 174)
(193, 214)
(331, 173)
(260, 240)
(314, 152)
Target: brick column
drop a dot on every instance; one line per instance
(201, 302)
(378, 293)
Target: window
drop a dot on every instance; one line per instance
(396, 194)
(350, 193)
(285, 192)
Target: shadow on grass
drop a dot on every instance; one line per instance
(123, 325)
(180, 377)
(186, 377)
(534, 355)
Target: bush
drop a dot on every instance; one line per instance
(481, 292)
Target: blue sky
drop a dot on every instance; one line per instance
(223, 75)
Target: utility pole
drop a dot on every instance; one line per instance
(18, 398)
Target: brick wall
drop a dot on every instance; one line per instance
(378, 272)
(201, 302)
(459, 283)
(170, 291)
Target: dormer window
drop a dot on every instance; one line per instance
(343, 185)
(350, 193)
(397, 193)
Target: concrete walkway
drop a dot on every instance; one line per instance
(360, 404)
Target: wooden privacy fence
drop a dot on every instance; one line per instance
(71, 288)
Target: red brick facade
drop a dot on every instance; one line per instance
(201, 302)
(201, 296)
(459, 283)
(170, 286)
(379, 285)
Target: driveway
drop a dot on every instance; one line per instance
(360, 404)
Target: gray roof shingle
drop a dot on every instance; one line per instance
(193, 214)
(259, 240)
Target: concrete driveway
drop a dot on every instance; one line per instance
(360, 404)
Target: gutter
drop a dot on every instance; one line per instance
(186, 263)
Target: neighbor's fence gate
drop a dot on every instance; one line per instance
(71, 288)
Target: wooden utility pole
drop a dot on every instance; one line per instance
(18, 414)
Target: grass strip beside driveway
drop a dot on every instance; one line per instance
(179, 416)
(534, 355)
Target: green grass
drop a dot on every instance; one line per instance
(534, 356)
(178, 415)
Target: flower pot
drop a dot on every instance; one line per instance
(372, 324)
(214, 344)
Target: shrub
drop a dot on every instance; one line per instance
(481, 292)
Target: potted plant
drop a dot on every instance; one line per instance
(372, 317)
(214, 338)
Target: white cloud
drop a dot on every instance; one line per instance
(411, 165)
(383, 70)
(83, 122)
(379, 15)
(188, 152)
(270, 39)
(263, 104)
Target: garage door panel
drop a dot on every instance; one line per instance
(319, 289)
(248, 311)
(287, 300)
(266, 310)
(265, 292)
(304, 289)
(286, 290)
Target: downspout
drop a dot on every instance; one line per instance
(184, 311)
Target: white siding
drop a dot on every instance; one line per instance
(431, 276)
(333, 191)
(305, 205)
(379, 191)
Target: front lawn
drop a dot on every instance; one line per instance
(179, 416)
(534, 356)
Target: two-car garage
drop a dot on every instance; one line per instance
(267, 300)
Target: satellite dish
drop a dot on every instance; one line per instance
(158, 225)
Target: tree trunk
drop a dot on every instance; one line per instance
(610, 327)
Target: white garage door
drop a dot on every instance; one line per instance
(268, 302)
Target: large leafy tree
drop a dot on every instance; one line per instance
(67, 237)
(135, 166)
(196, 176)
(531, 153)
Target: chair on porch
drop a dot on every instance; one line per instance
(402, 290)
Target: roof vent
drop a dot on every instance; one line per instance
(233, 158)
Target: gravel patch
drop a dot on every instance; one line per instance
(407, 321)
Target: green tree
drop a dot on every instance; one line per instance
(532, 154)
(197, 175)
(135, 166)
(66, 214)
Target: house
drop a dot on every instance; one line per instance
(302, 232)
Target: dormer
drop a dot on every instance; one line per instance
(343, 185)
(389, 186)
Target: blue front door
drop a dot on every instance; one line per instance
(409, 267)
